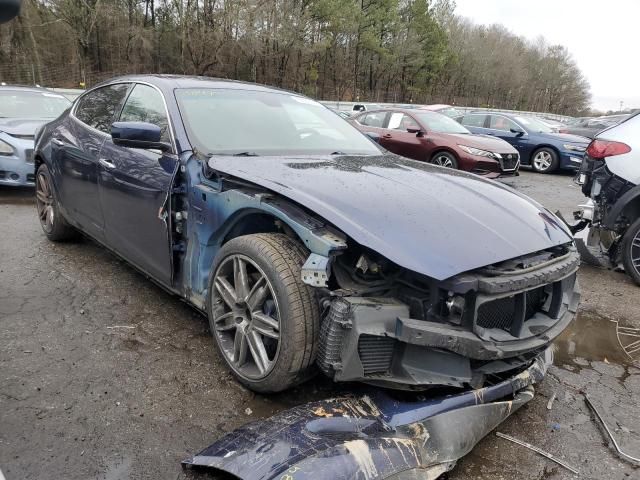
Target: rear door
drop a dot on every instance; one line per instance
(134, 188)
(398, 140)
(373, 122)
(76, 146)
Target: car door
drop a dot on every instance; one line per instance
(397, 139)
(134, 187)
(76, 144)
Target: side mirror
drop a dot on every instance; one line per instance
(517, 131)
(138, 135)
(419, 132)
(373, 136)
(9, 9)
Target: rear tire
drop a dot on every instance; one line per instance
(545, 160)
(53, 224)
(444, 159)
(264, 319)
(630, 247)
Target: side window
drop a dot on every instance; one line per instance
(401, 121)
(374, 119)
(98, 107)
(501, 123)
(473, 120)
(145, 104)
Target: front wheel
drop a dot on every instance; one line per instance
(445, 159)
(544, 160)
(264, 319)
(630, 247)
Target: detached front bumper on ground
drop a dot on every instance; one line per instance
(372, 436)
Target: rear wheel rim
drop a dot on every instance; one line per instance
(44, 203)
(634, 252)
(542, 161)
(443, 161)
(246, 317)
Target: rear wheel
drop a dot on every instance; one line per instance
(544, 160)
(264, 319)
(630, 246)
(52, 222)
(445, 159)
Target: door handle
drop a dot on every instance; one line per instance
(58, 142)
(106, 164)
(386, 135)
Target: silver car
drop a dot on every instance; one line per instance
(22, 111)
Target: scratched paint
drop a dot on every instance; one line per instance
(362, 455)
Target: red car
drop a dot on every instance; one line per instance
(435, 138)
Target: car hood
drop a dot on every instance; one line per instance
(22, 126)
(432, 220)
(564, 137)
(484, 142)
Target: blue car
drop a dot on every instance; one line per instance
(22, 111)
(274, 216)
(536, 142)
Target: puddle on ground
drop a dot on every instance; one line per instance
(592, 337)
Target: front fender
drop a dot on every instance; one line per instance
(214, 214)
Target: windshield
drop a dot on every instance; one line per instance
(534, 125)
(18, 104)
(228, 122)
(435, 122)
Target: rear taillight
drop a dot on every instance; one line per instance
(599, 149)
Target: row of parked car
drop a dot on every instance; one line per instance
(491, 144)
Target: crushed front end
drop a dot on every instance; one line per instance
(387, 326)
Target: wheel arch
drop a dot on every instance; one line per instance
(628, 205)
(446, 149)
(252, 214)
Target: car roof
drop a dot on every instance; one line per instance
(169, 82)
(434, 107)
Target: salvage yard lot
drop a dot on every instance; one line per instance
(104, 375)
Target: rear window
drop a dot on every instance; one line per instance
(473, 120)
(374, 119)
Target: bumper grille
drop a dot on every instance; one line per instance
(509, 161)
(375, 353)
(501, 313)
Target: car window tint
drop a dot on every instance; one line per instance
(98, 107)
(145, 104)
(473, 120)
(497, 122)
(374, 119)
(401, 121)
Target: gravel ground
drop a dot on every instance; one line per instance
(103, 375)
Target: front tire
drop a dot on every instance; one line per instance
(53, 224)
(545, 160)
(263, 318)
(630, 247)
(445, 159)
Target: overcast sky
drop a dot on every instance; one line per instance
(601, 35)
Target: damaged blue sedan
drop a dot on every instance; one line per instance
(307, 245)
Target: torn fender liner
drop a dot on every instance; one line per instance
(371, 436)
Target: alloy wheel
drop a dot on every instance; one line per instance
(245, 316)
(443, 161)
(635, 252)
(44, 203)
(542, 161)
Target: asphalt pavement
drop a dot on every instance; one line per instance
(104, 375)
